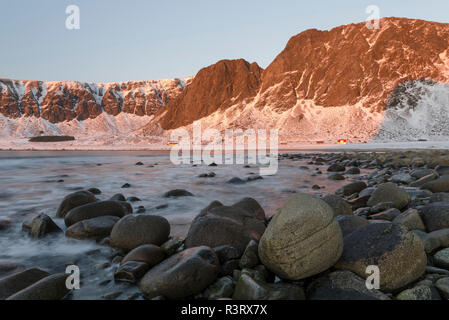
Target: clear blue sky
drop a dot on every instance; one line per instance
(148, 39)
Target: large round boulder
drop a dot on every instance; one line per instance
(133, 231)
(219, 225)
(398, 253)
(94, 210)
(389, 192)
(74, 200)
(183, 275)
(303, 239)
(435, 216)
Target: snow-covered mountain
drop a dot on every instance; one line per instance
(350, 82)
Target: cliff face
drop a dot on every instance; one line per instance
(216, 87)
(67, 100)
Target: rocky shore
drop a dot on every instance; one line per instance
(396, 218)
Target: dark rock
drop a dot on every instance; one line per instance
(133, 231)
(435, 216)
(133, 199)
(236, 180)
(336, 168)
(350, 224)
(439, 197)
(148, 253)
(250, 257)
(222, 288)
(388, 215)
(126, 185)
(219, 225)
(336, 177)
(178, 193)
(20, 280)
(40, 226)
(118, 197)
(340, 206)
(95, 228)
(419, 292)
(353, 170)
(94, 210)
(411, 220)
(439, 185)
(226, 253)
(95, 191)
(74, 200)
(131, 271)
(49, 288)
(342, 285)
(384, 245)
(182, 275)
(9, 268)
(389, 192)
(171, 246)
(352, 188)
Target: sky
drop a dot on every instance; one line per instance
(151, 40)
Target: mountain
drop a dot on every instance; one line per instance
(349, 82)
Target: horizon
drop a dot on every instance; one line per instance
(93, 54)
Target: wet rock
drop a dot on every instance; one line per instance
(40, 226)
(147, 253)
(441, 259)
(443, 287)
(5, 224)
(349, 224)
(388, 215)
(436, 271)
(236, 180)
(439, 185)
(383, 206)
(139, 163)
(118, 197)
(133, 199)
(435, 216)
(207, 175)
(133, 231)
(403, 178)
(131, 271)
(94, 191)
(384, 245)
(419, 293)
(219, 225)
(9, 268)
(185, 274)
(439, 197)
(430, 243)
(254, 178)
(126, 186)
(250, 257)
(171, 246)
(342, 285)
(411, 220)
(74, 200)
(178, 193)
(228, 267)
(94, 210)
(340, 206)
(226, 253)
(359, 202)
(353, 170)
(389, 192)
(15, 282)
(352, 188)
(336, 177)
(248, 288)
(302, 240)
(112, 295)
(336, 168)
(421, 182)
(222, 288)
(95, 228)
(52, 287)
(421, 173)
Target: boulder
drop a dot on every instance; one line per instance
(40, 226)
(21, 280)
(49, 288)
(435, 216)
(411, 220)
(148, 253)
(131, 271)
(94, 210)
(133, 231)
(340, 206)
(302, 240)
(177, 193)
(389, 192)
(398, 253)
(349, 224)
(439, 185)
(352, 188)
(95, 228)
(342, 285)
(74, 200)
(182, 275)
(219, 225)
(441, 259)
(249, 288)
(336, 168)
